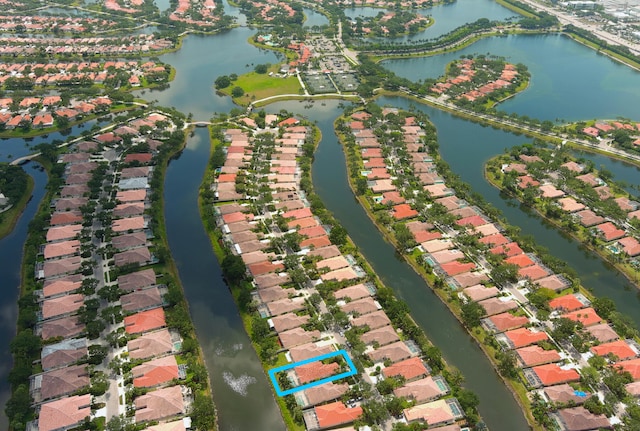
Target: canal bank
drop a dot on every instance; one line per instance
(236, 374)
(11, 248)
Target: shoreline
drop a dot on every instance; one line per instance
(439, 292)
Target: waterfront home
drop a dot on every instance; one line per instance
(587, 316)
(65, 413)
(498, 305)
(504, 322)
(155, 372)
(160, 404)
(58, 233)
(142, 299)
(310, 350)
(323, 393)
(314, 371)
(522, 337)
(354, 292)
(581, 419)
(410, 369)
(480, 292)
(145, 321)
(275, 293)
(297, 337)
(59, 306)
(54, 268)
(380, 337)
(602, 332)
(151, 344)
(424, 390)
(374, 320)
(632, 366)
(60, 249)
(630, 246)
(287, 321)
(570, 205)
(330, 416)
(569, 302)
(551, 374)
(130, 240)
(59, 382)
(531, 356)
(63, 353)
(619, 349)
(441, 412)
(66, 327)
(394, 352)
(564, 394)
(137, 280)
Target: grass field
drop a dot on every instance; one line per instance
(257, 86)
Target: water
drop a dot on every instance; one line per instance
(201, 60)
(498, 407)
(467, 146)
(447, 16)
(14, 148)
(237, 378)
(605, 89)
(11, 257)
(163, 4)
(314, 18)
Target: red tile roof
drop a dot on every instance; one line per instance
(632, 366)
(566, 303)
(587, 316)
(455, 267)
(506, 321)
(409, 369)
(334, 414)
(145, 321)
(521, 260)
(535, 355)
(524, 337)
(64, 413)
(618, 348)
(155, 372)
(315, 371)
(552, 374)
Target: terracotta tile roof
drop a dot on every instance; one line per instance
(64, 413)
(632, 366)
(521, 260)
(58, 233)
(59, 286)
(524, 337)
(62, 218)
(409, 369)
(630, 246)
(352, 292)
(137, 280)
(145, 321)
(404, 211)
(59, 249)
(334, 414)
(633, 388)
(310, 350)
(66, 327)
(286, 305)
(610, 231)
(424, 235)
(446, 256)
(315, 371)
(159, 404)
(467, 279)
(333, 263)
(288, 321)
(480, 292)
(340, 275)
(169, 426)
(317, 242)
(373, 320)
(62, 305)
(155, 372)
(505, 321)
(510, 249)
(433, 413)
(552, 374)
(602, 332)
(325, 392)
(297, 337)
(63, 381)
(434, 245)
(150, 344)
(382, 336)
(564, 394)
(566, 303)
(581, 419)
(423, 390)
(475, 221)
(619, 349)
(535, 355)
(587, 316)
(553, 282)
(455, 267)
(533, 272)
(394, 352)
(67, 265)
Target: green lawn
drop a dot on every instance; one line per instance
(257, 86)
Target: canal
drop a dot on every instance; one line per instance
(11, 256)
(237, 377)
(236, 374)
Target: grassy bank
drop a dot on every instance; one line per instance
(10, 217)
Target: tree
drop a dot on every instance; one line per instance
(222, 81)
(508, 365)
(472, 312)
(338, 235)
(604, 307)
(25, 344)
(203, 412)
(261, 68)
(374, 412)
(233, 268)
(237, 92)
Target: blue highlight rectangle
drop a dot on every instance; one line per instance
(272, 372)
